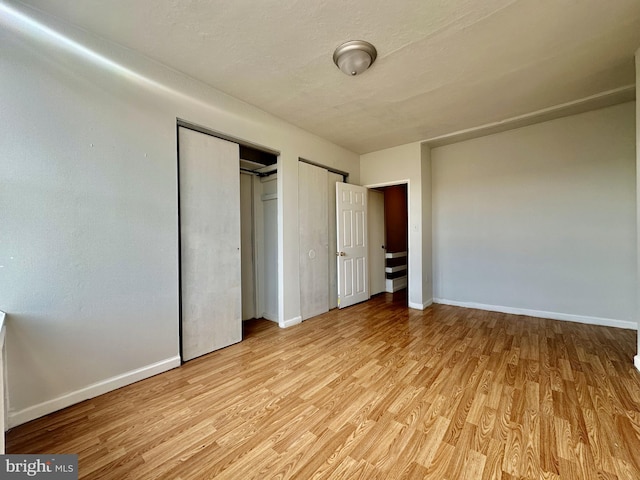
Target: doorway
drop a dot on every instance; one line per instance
(388, 233)
(259, 237)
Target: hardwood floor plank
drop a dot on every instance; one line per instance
(372, 391)
(493, 463)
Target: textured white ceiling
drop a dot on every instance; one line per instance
(443, 65)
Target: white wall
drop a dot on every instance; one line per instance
(541, 218)
(89, 242)
(3, 411)
(404, 164)
(427, 224)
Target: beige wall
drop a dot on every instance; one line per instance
(89, 208)
(541, 219)
(427, 223)
(404, 164)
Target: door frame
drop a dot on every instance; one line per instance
(372, 248)
(411, 250)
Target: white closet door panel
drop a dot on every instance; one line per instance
(270, 279)
(246, 249)
(266, 207)
(210, 243)
(333, 264)
(313, 210)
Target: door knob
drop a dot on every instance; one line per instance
(340, 254)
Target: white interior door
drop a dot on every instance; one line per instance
(209, 243)
(375, 217)
(313, 225)
(351, 226)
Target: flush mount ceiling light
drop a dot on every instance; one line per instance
(355, 56)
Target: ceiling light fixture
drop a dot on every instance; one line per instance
(355, 56)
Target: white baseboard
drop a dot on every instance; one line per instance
(91, 391)
(604, 322)
(420, 306)
(636, 361)
(291, 322)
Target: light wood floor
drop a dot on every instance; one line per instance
(376, 391)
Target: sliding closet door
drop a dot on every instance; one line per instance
(313, 217)
(209, 243)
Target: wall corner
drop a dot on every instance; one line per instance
(427, 228)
